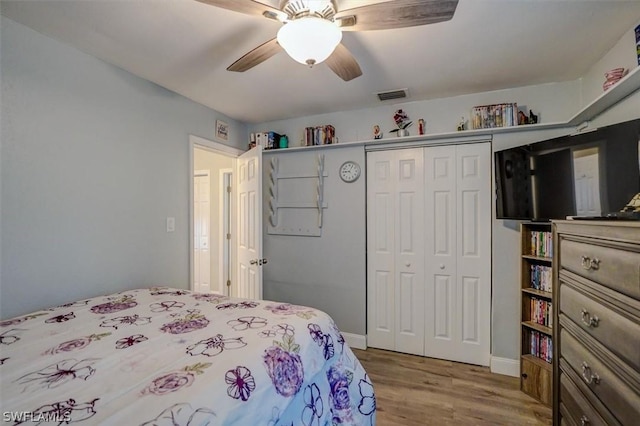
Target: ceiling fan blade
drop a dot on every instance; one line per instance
(343, 63)
(250, 7)
(396, 14)
(256, 56)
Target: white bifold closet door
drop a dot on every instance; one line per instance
(429, 251)
(395, 250)
(458, 252)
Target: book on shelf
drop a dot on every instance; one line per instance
(541, 346)
(541, 277)
(541, 312)
(497, 115)
(541, 244)
(319, 135)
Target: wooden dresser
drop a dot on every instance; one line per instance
(596, 372)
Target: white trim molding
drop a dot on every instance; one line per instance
(356, 341)
(506, 366)
(219, 148)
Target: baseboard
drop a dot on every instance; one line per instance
(506, 366)
(355, 341)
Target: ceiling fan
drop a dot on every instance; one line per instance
(312, 29)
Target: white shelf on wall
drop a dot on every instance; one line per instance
(625, 87)
(444, 137)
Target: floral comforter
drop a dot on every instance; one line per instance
(163, 356)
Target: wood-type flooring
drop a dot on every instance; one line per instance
(418, 391)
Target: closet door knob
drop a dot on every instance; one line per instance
(407, 264)
(442, 266)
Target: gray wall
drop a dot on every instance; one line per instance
(326, 272)
(93, 160)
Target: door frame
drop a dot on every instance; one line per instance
(196, 174)
(218, 148)
(225, 207)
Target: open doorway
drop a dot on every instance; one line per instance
(211, 206)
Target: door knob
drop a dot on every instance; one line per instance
(407, 264)
(253, 262)
(442, 266)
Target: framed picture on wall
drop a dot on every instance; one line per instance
(222, 130)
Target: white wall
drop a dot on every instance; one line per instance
(213, 162)
(621, 55)
(553, 102)
(93, 160)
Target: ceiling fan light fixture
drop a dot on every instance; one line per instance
(309, 40)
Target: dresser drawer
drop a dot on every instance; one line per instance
(619, 398)
(565, 417)
(616, 332)
(578, 410)
(614, 268)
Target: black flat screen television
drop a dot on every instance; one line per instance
(593, 174)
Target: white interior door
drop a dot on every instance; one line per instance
(586, 177)
(458, 255)
(440, 260)
(409, 236)
(249, 199)
(202, 234)
(395, 247)
(380, 250)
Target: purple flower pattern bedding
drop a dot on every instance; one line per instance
(163, 356)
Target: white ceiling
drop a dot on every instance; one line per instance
(186, 46)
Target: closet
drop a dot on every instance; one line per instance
(429, 251)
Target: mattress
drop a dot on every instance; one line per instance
(163, 356)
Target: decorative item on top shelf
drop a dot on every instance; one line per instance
(613, 76)
(421, 126)
(523, 119)
(402, 121)
(497, 115)
(267, 140)
(320, 135)
(284, 141)
(461, 125)
(377, 133)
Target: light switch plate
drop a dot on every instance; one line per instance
(171, 224)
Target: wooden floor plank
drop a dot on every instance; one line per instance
(419, 391)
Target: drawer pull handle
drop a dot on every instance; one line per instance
(589, 263)
(589, 376)
(588, 320)
(584, 420)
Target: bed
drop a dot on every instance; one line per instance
(164, 356)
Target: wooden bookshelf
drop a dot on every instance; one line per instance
(536, 314)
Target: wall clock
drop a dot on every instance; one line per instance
(349, 171)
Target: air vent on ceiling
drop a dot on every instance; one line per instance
(393, 94)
